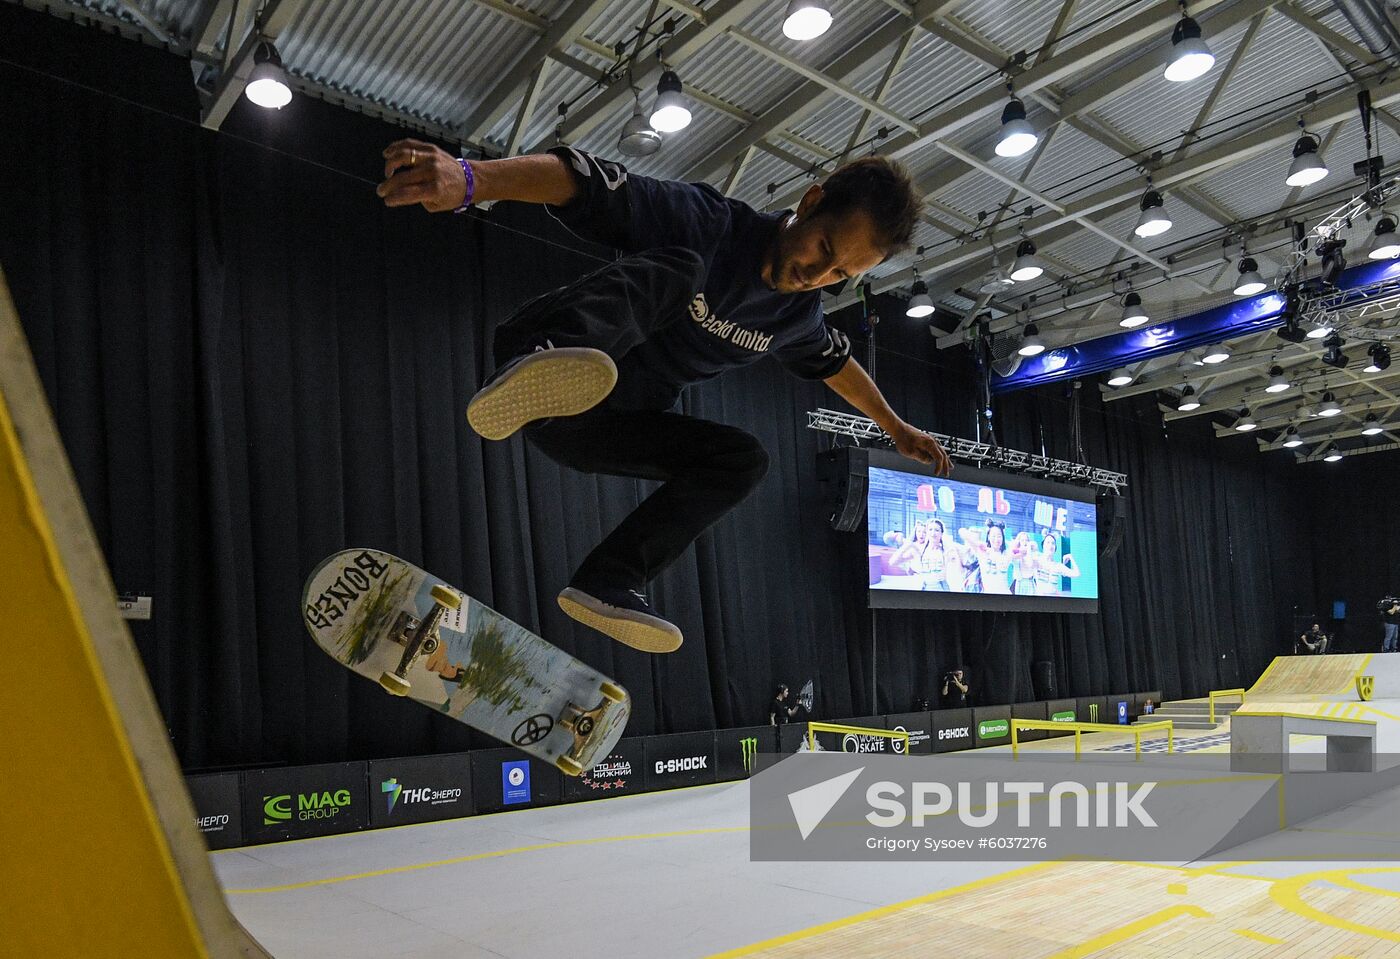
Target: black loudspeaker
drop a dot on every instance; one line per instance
(845, 470)
(1113, 523)
(1043, 679)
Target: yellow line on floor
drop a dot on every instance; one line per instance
(1259, 937)
(881, 911)
(1126, 932)
(1288, 894)
(494, 854)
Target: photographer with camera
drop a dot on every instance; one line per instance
(1390, 615)
(955, 689)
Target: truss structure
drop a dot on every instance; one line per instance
(976, 452)
(1349, 312)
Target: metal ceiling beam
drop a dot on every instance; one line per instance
(1050, 96)
(1055, 205)
(1047, 49)
(276, 14)
(1118, 81)
(1221, 82)
(1290, 418)
(204, 42)
(1256, 399)
(689, 41)
(816, 76)
(1321, 437)
(806, 97)
(1317, 455)
(146, 21)
(892, 68)
(1214, 158)
(736, 170)
(1152, 24)
(527, 106)
(576, 18)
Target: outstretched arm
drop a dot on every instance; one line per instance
(856, 387)
(418, 172)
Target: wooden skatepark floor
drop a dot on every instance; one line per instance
(668, 875)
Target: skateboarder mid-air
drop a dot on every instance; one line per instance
(706, 284)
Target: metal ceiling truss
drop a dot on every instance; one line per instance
(976, 452)
(1055, 225)
(1318, 455)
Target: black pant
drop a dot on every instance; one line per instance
(705, 468)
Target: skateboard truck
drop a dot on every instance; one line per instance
(582, 724)
(419, 637)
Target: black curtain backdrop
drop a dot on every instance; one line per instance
(1355, 542)
(254, 364)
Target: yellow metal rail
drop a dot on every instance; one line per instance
(1222, 694)
(1079, 728)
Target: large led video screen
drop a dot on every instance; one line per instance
(978, 540)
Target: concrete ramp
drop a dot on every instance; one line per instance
(101, 854)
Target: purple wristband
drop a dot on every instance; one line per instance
(471, 185)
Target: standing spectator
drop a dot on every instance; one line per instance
(781, 711)
(1391, 618)
(955, 689)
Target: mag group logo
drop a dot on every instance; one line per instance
(308, 807)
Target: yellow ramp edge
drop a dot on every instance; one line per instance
(1289, 676)
(100, 852)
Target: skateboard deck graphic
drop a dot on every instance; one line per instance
(417, 636)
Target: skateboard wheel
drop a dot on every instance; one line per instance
(447, 597)
(569, 767)
(395, 685)
(613, 693)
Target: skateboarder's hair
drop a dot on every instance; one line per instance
(882, 188)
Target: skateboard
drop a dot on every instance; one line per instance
(421, 638)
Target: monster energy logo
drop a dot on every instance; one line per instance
(750, 750)
(1093, 712)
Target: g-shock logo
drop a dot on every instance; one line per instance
(688, 764)
(954, 732)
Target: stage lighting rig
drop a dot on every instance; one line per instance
(1291, 332)
(1333, 260)
(1333, 355)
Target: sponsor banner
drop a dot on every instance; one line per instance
(618, 773)
(1120, 708)
(218, 814)
(854, 742)
(737, 750)
(509, 779)
(919, 726)
(419, 789)
(1093, 709)
(989, 807)
(952, 729)
(791, 737)
(1062, 711)
(1029, 711)
(296, 802)
(991, 725)
(681, 759)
